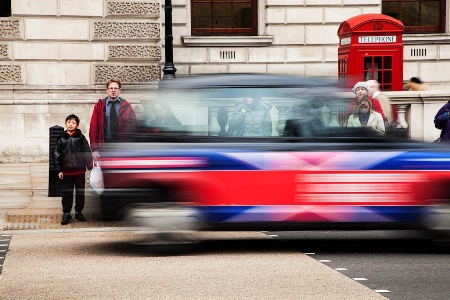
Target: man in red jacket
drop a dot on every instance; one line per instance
(112, 117)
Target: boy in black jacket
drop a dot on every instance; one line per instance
(71, 157)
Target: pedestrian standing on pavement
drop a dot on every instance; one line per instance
(71, 156)
(441, 121)
(111, 125)
(389, 110)
(112, 119)
(364, 116)
(361, 89)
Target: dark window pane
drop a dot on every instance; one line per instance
(392, 9)
(222, 15)
(429, 13)
(421, 16)
(5, 8)
(202, 13)
(243, 15)
(410, 14)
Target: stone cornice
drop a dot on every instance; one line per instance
(416, 39)
(227, 41)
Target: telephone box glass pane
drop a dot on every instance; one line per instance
(387, 63)
(369, 68)
(386, 87)
(387, 79)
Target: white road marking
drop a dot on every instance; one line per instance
(359, 279)
(273, 234)
(382, 291)
(341, 269)
(309, 253)
(324, 260)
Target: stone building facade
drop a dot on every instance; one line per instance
(56, 55)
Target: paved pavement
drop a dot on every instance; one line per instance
(99, 265)
(48, 220)
(301, 277)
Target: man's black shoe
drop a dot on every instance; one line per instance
(79, 216)
(66, 219)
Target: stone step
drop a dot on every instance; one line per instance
(14, 202)
(16, 193)
(34, 169)
(15, 182)
(24, 186)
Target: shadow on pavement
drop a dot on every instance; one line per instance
(405, 244)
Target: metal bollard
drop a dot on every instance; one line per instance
(54, 183)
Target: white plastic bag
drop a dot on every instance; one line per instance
(95, 180)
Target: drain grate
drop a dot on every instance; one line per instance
(28, 222)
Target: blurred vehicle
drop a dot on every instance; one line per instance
(308, 172)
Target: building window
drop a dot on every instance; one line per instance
(418, 16)
(224, 17)
(5, 8)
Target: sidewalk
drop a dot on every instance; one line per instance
(25, 203)
(33, 220)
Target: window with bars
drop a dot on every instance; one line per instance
(224, 17)
(418, 16)
(5, 8)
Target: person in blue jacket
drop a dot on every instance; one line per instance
(441, 122)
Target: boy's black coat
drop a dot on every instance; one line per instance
(72, 153)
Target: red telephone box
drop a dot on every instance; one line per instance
(371, 47)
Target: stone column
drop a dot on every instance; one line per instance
(282, 119)
(213, 123)
(334, 115)
(401, 120)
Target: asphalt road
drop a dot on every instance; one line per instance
(103, 265)
(403, 265)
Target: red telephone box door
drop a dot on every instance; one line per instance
(380, 69)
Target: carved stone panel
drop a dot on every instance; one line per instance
(3, 51)
(134, 52)
(134, 8)
(11, 74)
(9, 29)
(126, 30)
(129, 73)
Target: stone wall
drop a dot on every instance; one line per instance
(294, 37)
(57, 55)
